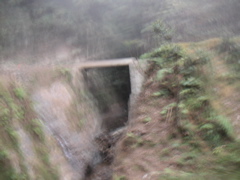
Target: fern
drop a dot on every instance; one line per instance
(166, 108)
(20, 93)
(188, 92)
(191, 82)
(161, 73)
(226, 125)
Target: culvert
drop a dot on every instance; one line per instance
(110, 87)
(134, 69)
(114, 86)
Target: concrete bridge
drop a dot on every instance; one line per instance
(136, 70)
(107, 63)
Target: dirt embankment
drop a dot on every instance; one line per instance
(68, 119)
(138, 153)
(148, 150)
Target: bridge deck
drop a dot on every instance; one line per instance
(107, 63)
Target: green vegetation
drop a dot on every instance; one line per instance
(36, 127)
(20, 93)
(134, 140)
(194, 120)
(16, 110)
(181, 75)
(147, 119)
(7, 171)
(222, 163)
(116, 29)
(119, 178)
(9, 137)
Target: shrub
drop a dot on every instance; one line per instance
(20, 93)
(165, 54)
(161, 73)
(225, 125)
(183, 77)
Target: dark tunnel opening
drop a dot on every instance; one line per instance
(111, 89)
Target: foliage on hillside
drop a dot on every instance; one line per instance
(16, 113)
(182, 77)
(201, 141)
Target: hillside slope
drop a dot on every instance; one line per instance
(187, 117)
(47, 124)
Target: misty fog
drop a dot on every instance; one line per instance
(98, 29)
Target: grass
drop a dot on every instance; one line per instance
(9, 137)
(36, 127)
(134, 140)
(15, 111)
(20, 93)
(116, 177)
(205, 105)
(195, 112)
(222, 163)
(147, 120)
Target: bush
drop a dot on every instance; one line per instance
(183, 77)
(20, 93)
(167, 53)
(225, 125)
